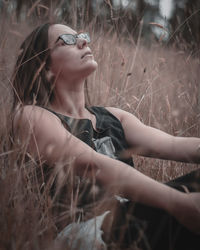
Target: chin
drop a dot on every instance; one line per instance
(90, 69)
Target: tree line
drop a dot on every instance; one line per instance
(183, 26)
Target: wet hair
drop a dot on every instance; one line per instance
(29, 80)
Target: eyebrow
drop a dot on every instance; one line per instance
(80, 31)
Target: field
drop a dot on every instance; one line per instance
(158, 84)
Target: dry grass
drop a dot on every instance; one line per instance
(159, 85)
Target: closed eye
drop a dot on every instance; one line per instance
(60, 41)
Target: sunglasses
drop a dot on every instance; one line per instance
(70, 39)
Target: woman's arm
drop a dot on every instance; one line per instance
(49, 140)
(151, 142)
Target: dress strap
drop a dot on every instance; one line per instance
(64, 119)
(104, 118)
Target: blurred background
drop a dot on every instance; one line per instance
(179, 18)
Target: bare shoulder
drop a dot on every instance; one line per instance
(35, 122)
(31, 115)
(47, 138)
(123, 115)
(42, 131)
(116, 112)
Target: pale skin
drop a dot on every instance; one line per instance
(70, 71)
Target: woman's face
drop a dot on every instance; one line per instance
(69, 61)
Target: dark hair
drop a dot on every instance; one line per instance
(29, 80)
(30, 84)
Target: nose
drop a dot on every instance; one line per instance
(81, 43)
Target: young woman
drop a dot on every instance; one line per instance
(50, 110)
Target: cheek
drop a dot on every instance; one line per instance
(62, 60)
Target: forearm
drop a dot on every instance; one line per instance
(186, 149)
(150, 142)
(182, 149)
(127, 181)
(124, 180)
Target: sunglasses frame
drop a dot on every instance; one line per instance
(82, 35)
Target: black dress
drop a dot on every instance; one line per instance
(135, 224)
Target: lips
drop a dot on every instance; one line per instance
(85, 54)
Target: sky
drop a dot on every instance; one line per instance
(166, 8)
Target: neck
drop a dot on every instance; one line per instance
(70, 98)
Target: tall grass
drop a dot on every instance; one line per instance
(160, 85)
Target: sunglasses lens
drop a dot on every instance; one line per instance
(69, 39)
(84, 36)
